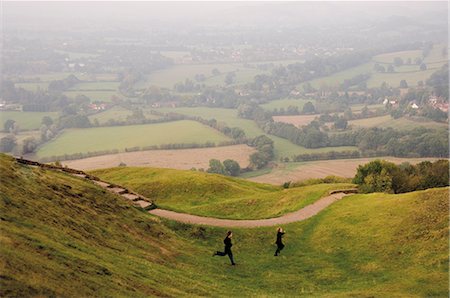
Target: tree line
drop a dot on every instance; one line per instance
(384, 176)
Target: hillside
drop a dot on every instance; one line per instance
(63, 236)
(215, 195)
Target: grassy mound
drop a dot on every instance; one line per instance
(63, 236)
(214, 195)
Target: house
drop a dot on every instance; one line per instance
(97, 107)
(385, 101)
(414, 106)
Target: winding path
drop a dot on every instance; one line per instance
(298, 215)
(146, 204)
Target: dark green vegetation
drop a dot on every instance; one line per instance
(381, 175)
(214, 195)
(62, 236)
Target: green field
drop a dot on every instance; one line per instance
(401, 123)
(26, 120)
(105, 96)
(283, 147)
(410, 73)
(168, 77)
(339, 77)
(93, 86)
(33, 86)
(116, 113)
(285, 103)
(388, 58)
(75, 239)
(215, 195)
(48, 77)
(76, 55)
(120, 137)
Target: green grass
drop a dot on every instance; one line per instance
(175, 54)
(283, 147)
(26, 120)
(62, 236)
(215, 195)
(393, 79)
(284, 103)
(401, 123)
(120, 137)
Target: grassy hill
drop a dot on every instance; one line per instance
(63, 236)
(214, 195)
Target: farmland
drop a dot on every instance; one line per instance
(401, 123)
(94, 95)
(297, 120)
(283, 147)
(183, 159)
(120, 137)
(411, 73)
(26, 120)
(168, 77)
(298, 171)
(284, 104)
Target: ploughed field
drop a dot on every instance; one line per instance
(183, 159)
(297, 171)
(76, 239)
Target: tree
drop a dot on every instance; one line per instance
(341, 123)
(215, 72)
(29, 145)
(7, 143)
(215, 166)
(8, 126)
(403, 84)
(231, 167)
(423, 66)
(390, 68)
(257, 160)
(47, 121)
(398, 61)
(229, 79)
(308, 108)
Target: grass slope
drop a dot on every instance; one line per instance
(215, 195)
(62, 236)
(120, 137)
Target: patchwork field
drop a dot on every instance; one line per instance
(320, 169)
(183, 159)
(26, 120)
(96, 86)
(283, 147)
(121, 137)
(410, 73)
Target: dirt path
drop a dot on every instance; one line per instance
(143, 202)
(299, 215)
